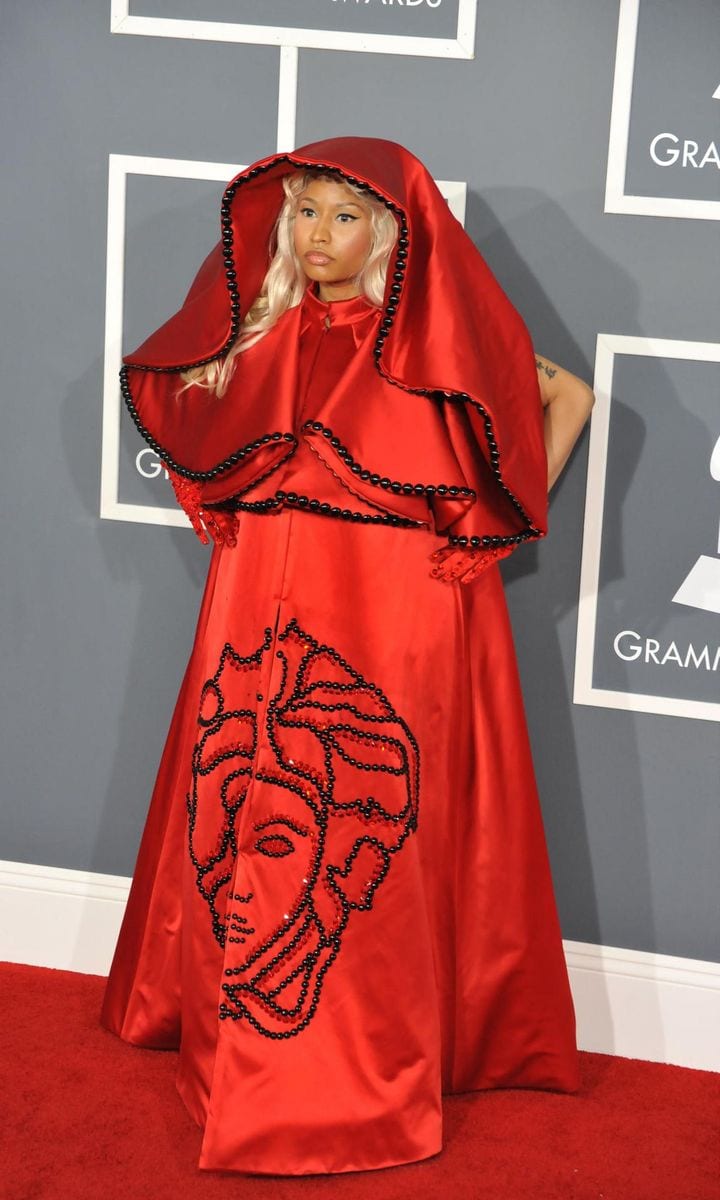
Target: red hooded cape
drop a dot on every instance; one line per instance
(440, 416)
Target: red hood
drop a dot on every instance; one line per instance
(449, 341)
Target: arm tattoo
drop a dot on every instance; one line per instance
(543, 366)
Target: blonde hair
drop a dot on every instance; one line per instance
(285, 283)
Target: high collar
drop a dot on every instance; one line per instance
(357, 312)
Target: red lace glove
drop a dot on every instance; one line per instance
(458, 565)
(220, 524)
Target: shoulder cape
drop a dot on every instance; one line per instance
(441, 412)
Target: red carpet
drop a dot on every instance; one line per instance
(87, 1117)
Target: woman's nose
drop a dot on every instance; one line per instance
(321, 232)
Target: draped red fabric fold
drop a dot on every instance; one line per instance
(450, 405)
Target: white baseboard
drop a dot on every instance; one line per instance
(650, 1006)
(627, 1002)
(53, 917)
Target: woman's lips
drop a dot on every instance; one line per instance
(317, 258)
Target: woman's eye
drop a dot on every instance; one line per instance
(344, 217)
(275, 845)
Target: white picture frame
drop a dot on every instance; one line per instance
(608, 347)
(461, 46)
(617, 200)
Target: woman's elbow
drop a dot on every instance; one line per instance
(575, 399)
(587, 399)
(582, 398)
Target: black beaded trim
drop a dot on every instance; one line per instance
(213, 871)
(306, 941)
(231, 461)
(292, 499)
(399, 268)
(486, 542)
(390, 485)
(249, 487)
(322, 508)
(490, 541)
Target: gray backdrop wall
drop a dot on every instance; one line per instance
(98, 615)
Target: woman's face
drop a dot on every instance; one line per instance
(332, 236)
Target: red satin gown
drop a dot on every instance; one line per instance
(342, 905)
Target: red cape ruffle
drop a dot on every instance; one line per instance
(443, 401)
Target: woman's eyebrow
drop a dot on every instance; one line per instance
(343, 203)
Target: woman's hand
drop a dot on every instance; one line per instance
(567, 402)
(209, 523)
(456, 565)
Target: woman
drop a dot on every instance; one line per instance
(342, 905)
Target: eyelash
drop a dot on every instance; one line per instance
(312, 210)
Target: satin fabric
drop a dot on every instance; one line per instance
(342, 905)
(450, 403)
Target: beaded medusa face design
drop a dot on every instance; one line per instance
(300, 798)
